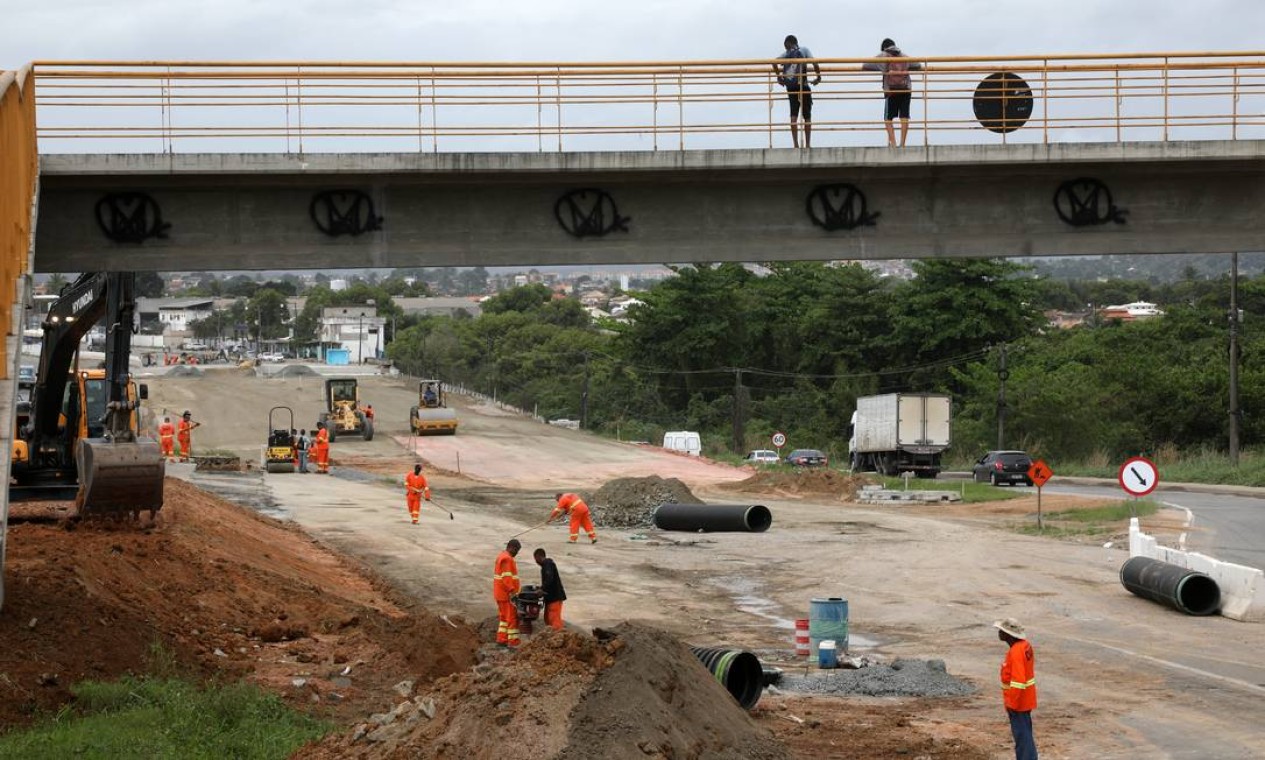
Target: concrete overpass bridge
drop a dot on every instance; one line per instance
(230, 165)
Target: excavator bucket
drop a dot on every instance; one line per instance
(119, 478)
(439, 421)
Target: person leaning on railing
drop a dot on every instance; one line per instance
(897, 92)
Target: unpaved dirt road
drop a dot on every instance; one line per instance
(1119, 677)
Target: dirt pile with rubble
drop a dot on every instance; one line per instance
(631, 502)
(806, 481)
(629, 692)
(220, 590)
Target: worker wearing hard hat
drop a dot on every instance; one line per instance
(570, 503)
(417, 487)
(167, 437)
(1018, 686)
(185, 435)
(505, 588)
(320, 449)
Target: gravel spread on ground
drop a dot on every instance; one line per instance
(901, 678)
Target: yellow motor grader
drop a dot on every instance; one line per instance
(343, 415)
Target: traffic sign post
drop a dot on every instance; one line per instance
(1138, 476)
(779, 440)
(1039, 473)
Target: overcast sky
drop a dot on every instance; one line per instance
(609, 30)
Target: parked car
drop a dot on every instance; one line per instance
(272, 357)
(807, 458)
(999, 467)
(762, 456)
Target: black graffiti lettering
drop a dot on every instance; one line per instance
(344, 212)
(589, 213)
(1085, 202)
(130, 217)
(839, 207)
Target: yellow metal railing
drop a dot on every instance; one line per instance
(303, 106)
(18, 167)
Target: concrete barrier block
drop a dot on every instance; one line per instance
(1242, 587)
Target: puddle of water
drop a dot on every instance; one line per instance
(246, 489)
(747, 599)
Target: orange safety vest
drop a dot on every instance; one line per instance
(568, 502)
(417, 485)
(1019, 678)
(322, 438)
(504, 577)
(166, 431)
(186, 428)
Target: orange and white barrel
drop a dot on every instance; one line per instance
(801, 638)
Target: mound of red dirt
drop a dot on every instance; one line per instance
(632, 692)
(223, 591)
(802, 482)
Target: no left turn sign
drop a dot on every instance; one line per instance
(1139, 476)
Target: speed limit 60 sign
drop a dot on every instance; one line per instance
(779, 439)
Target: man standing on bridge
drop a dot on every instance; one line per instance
(897, 89)
(167, 437)
(551, 587)
(185, 435)
(505, 591)
(418, 489)
(1018, 686)
(572, 503)
(794, 77)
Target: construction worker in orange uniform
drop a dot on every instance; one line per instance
(551, 586)
(185, 435)
(572, 503)
(417, 490)
(368, 411)
(320, 449)
(505, 590)
(167, 437)
(1018, 686)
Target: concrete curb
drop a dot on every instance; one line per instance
(1242, 588)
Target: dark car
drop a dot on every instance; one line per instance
(999, 467)
(806, 458)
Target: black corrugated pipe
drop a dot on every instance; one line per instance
(738, 671)
(1172, 585)
(753, 518)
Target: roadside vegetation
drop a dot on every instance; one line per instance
(1104, 520)
(738, 356)
(166, 718)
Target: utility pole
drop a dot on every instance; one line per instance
(584, 396)
(1002, 375)
(1234, 359)
(739, 413)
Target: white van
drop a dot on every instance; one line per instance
(684, 441)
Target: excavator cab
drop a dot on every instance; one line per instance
(343, 415)
(432, 416)
(279, 453)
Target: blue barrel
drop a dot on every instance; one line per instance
(827, 655)
(828, 620)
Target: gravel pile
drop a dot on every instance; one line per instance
(902, 678)
(631, 502)
(183, 370)
(295, 370)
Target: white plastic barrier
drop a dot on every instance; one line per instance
(1242, 587)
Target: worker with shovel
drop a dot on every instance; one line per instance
(505, 588)
(418, 489)
(572, 503)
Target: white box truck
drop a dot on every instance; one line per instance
(900, 432)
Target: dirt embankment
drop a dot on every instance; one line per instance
(801, 482)
(221, 590)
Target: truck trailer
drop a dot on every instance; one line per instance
(900, 432)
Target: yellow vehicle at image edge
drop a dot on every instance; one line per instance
(432, 416)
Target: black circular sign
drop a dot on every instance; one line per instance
(1003, 102)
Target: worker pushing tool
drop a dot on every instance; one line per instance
(185, 435)
(505, 591)
(320, 449)
(418, 489)
(570, 503)
(551, 586)
(167, 437)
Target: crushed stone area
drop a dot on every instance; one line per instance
(628, 692)
(631, 502)
(815, 482)
(900, 678)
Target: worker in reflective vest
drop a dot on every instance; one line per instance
(415, 483)
(505, 591)
(570, 503)
(1018, 686)
(185, 435)
(320, 449)
(167, 437)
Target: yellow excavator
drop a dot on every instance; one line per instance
(432, 416)
(343, 415)
(79, 435)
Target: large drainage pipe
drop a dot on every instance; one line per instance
(753, 518)
(1172, 585)
(738, 671)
